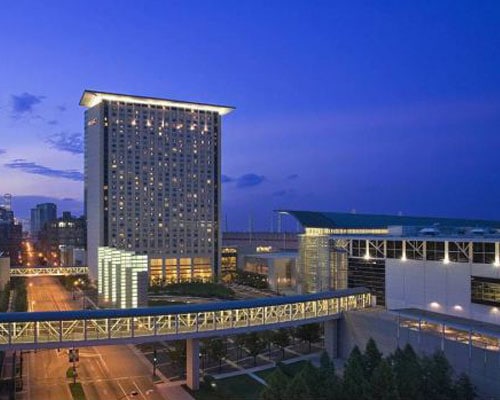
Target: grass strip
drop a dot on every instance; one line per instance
(77, 391)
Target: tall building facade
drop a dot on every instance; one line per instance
(152, 182)
(41, 215)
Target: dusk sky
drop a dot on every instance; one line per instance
(377, 106)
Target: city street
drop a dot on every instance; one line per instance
(107, 372)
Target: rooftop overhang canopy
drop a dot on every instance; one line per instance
(91, 98)
(332, 220)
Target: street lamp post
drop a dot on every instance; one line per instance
(155, 362)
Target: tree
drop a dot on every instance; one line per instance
(267, 338)
(372, 358)
(382, 385)
(329, 386)
(437, 377)
(298, 389)
(464, 389)
(217, 350)
(355, 385)
(177, 353)
(308, 333)
(254, 345)
(277, 382)
(240, 342)
(204, 349)
(281, 338)
(311, 378)
(407, 373)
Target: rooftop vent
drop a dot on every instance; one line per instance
(429, 231)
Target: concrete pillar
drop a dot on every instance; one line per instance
(332, 338)
(193, 364)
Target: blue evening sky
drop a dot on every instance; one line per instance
(377, 106)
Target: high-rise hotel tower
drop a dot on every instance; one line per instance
(152, 182)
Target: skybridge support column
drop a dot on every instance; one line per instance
(332, 338)
(193, 364)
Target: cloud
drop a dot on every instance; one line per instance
(249, 180)
(37, 169)
(292, 177)
(24, 103)
(2, 151)
(53, 122)
(63, 141)
(284, 193)
(61, 108)
(226, 179)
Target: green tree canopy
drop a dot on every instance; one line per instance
(217, 350)
(281, 338)
(437, 377)
(355, 385)
(299, 388)
(329, 383)
(309, 333)
(372, 358)
(382, 385)
(277, 382)
(254, 345)
(464, 389)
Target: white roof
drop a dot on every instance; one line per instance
(91, 98)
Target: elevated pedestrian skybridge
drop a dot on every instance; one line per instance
(47, 271)
(34, 330)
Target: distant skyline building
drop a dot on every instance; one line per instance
(11, 236)
(57, 237)
(152, 182)
(40, 215)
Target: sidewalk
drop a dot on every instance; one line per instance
(313, 357)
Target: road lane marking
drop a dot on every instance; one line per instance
(123, 390)
(139, 390)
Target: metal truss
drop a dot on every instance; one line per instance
(40, 271)
(417, 247)
(99, 327)
(461, 251)
(376, 248)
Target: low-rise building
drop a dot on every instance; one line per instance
(236, 245)
(445, 265)
(123, 278)
(279, 268)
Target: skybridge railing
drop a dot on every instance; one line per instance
(47, 271)
(95, 327)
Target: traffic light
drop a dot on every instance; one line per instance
(155, 358)
(73, 355)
